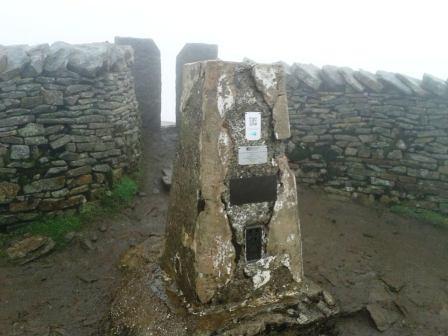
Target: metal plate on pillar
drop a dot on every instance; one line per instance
(255, 189)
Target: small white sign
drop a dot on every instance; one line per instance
(250, 155)
(253, 125)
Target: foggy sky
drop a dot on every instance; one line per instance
(394, 35)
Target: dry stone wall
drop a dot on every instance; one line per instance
(69, 125)
(146, 70)
(370, 136)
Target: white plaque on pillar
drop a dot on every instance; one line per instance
(251, 155)
(253, 125)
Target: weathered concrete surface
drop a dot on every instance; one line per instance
(147, 78)
(205, 249)
(191, 52)
(284, 235)
(270, 80)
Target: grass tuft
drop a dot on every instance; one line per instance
(121, 195)
(57, 227)
(434, 218)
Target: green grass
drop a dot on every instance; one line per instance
(57, 227)
(428, 216)
(121, 195)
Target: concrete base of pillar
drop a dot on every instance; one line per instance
(149, 304)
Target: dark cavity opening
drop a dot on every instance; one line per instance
(201, 205)
(254, 243)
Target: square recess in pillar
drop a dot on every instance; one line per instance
(254, 243)
(253, 190)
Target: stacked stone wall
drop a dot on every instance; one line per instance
(69, 126)
(370, 136)
(146, 70)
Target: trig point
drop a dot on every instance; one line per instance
(233, 235)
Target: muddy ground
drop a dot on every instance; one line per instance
(366, 256)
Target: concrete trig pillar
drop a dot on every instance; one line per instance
(233, 224)
(232, 261)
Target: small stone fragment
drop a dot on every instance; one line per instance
(30, 248)
(328, 298)
(383, 317)
(87, 278)
(166, 178)
(69, 236)
(86, 244)
(8, 191)
(94, 237)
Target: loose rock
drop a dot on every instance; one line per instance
(30, 248)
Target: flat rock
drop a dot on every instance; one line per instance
(20, 152)
(332, 78)
(413, 83)
(392, 80)
(3, 60)
(393, 281)
(348, 75)
(37, 56)
(53, 97)
(16, 60)
(87, 278)
(86, 59)
(434, 85)
(369, 80)
(249, 61)
(382, 316)
(49, 184)
(8, 191)
(29, 249)
(57, 58)
(308, 74)
(167, 177)
(69, 236)
(31, 130)
(89, 60)
(86, 244)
